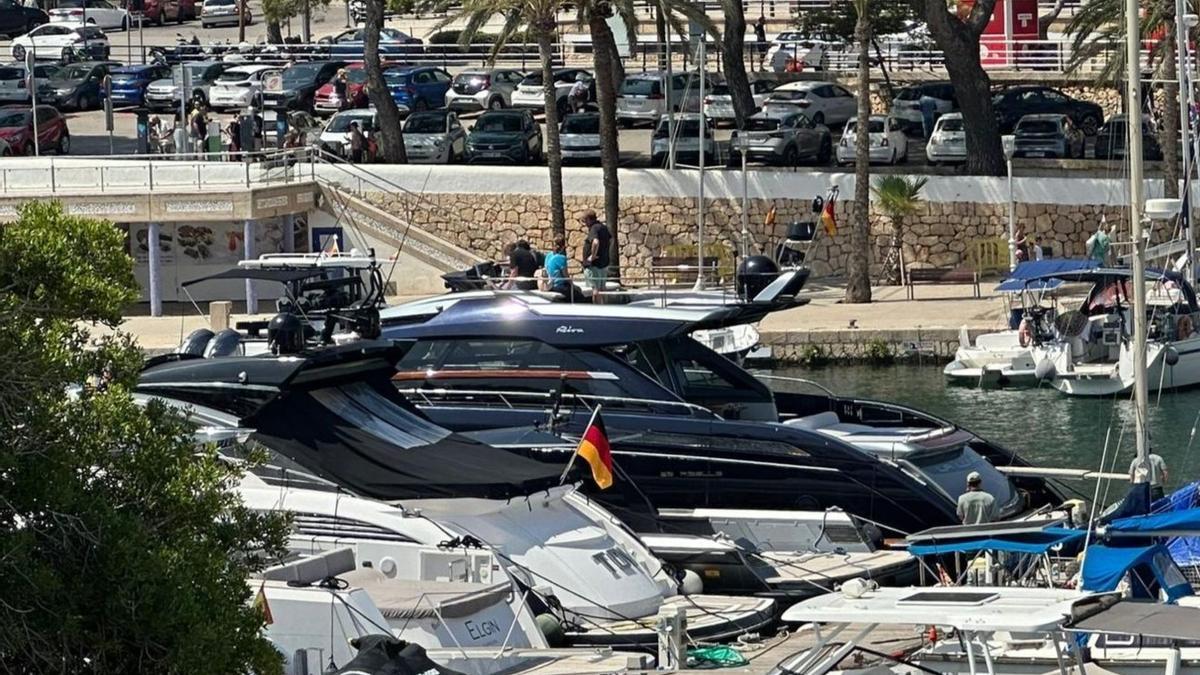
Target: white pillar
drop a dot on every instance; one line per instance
(288, 225)
(248, 243)
(153, 235)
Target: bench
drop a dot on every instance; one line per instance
(963, 274)
(670, 270)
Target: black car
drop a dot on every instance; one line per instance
(1013, 103)
(78, 85)
(17, 19)
(299, 84)
(505, 136)
(1112, 140)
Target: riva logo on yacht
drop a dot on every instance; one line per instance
(568, 329)
(615, 561)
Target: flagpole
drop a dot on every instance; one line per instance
(562, 479)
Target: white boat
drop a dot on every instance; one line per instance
(995, 359)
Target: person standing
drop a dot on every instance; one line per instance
(341, 89)
(579, 94)
(558, 278)
(357, 143)
(928, 106)
(976, 506)
(522, 266)
(596, 250)
(198, 128)
(1155, 472)
(760, 37)
(1097, 244)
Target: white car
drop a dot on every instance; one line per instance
(529, 92)
(239, 87)
(483, 89)
(718, 105)
(335, 137)
(948, 143)
(888, 142)
(579, 138)
(61, 42)
(907, 104)
(642, 97)
(100, 13)
(824, 103)
(14, 85)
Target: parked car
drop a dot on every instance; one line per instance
(887, 141)
(14, 85)
(1111, 141)
(296, 88)
(579, 137)
(16, 129)
(643, 97)
(906, 107)
(948, 143)
(786, 140)
(718, 103)
(1014, 103)
(239, 87)
(824, 103)
(435, 137)
(418, 87)
(1050, 135)
(335, 136)
(506, 136)
(79, 85)
(18, 18)
(351, 42)
(164, 93)
(62, 43)
(687, 141)
(808, 52)
(529, 90)
(100, 13)
(224, 13)
(129, 83)
(483, 89)
(158, 12)
(326, 99)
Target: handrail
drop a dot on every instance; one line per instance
(799, 380)
(504, 395)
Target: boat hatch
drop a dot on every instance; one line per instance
(958, 598)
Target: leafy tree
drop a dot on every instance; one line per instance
(123, 549)
(958, 38)
(858, 282)
(839, 20)
(899, 197)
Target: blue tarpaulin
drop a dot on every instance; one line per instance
(1188, 519)
(1018, 279)
(1150, 568)
(1026, 542)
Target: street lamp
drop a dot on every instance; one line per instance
(1009, 142)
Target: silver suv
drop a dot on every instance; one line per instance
(483, 89)
(784, 140)
(643, 97)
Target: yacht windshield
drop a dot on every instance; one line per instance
(948, 469)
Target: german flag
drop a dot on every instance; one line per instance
(594, 450)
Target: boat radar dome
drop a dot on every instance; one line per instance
(754, 273)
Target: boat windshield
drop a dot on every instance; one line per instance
(948, 469)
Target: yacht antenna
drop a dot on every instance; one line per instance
(1133, 92)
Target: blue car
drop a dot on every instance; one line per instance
(391, 43)
(418, 87)
(129, 83)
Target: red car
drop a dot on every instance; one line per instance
(161, 11)
(325, 101)
(16, 129)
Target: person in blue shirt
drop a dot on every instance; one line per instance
(558, 278)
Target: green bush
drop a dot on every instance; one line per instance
(878, 352)
(813, 355)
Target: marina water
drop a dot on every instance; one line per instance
(1050, 429)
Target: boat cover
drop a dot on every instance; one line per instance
(1043, 271)
(1037, 542)
(1149, 569)
(1144, 619)
(1185, 550)
(1169, 521)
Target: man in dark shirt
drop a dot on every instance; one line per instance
(760, 37)
(595, 250)
(522, 265)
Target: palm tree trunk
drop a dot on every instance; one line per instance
(387, 115)
(1168, 135)
(553, 151)
(733, 44)
(606, 96)
(895, 274)
(274, 32)
(858, 282)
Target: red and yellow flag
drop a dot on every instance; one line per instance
(261, 604)
(594, 450)
(827, 219)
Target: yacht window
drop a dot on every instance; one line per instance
(698, 377)
(949, 469)
(647, 358)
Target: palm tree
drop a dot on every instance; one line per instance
(538, 18)
(733, 48)
(898, 197)
(1098, 25)
(387, 115)
(858, 281)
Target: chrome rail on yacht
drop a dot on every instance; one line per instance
(429, 396)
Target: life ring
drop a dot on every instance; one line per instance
(1025, 333)
(1184, 327)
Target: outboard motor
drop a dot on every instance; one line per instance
(285, 334)
(196, 342)
(754, 273)
(385, 655)
(225, 343)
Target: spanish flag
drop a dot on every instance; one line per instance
(593, 448)
(827, 219)
(261, 604)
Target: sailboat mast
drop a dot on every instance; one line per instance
(1133, 92)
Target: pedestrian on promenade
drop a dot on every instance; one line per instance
(341, 89)
(760, 39)
(198, 128)
(596, 250)
(357, 143)
(1154, 472)
(235, 139)
(1021, 244)
(976, 506)
(578, 96)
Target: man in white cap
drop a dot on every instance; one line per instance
(976, 506)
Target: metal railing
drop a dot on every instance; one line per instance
(506, 399)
